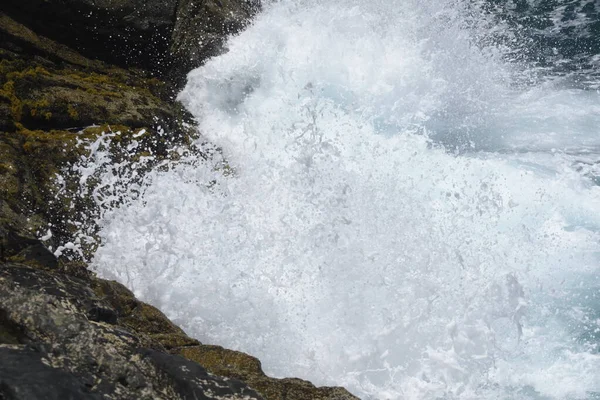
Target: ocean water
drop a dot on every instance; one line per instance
(407, 202)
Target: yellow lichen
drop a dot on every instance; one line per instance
(72, 111)
(35, 106)
(31, 72)
(220, 360)
(16, 106)
(8, 90)
(173, 340)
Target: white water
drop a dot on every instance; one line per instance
(404, 219)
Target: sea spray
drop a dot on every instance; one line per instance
(400, 213)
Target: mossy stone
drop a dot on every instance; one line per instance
(223, 361)
(53, 329)
(239, 365)
(174, 340)
(6, 123)
(53, 99)
(133, 314)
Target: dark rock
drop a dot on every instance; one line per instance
(238, 365)
(52, 95)
(168, 38)
(61, 89)
(37, 253)
(15, 247)
(201, 29)
(193, 382)
(5, 114)
(102, 314)
(67, 355)
(25, 375)
(102, 340)
(10, 333)
(122, 32)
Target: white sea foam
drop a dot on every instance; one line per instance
(364, 238)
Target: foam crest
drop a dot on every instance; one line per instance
(349, 247)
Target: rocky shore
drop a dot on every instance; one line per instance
(70, 71)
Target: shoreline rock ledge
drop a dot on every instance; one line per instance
(69, 71)
(68, 337)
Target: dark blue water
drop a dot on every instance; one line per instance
(557, 38)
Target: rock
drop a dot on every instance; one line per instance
(238, 365)
(201, 29)
(156, 330)
(147, 321)
(48, 87)
(55, 346)
(123, 32)
(15, 247)
(5, 114)
(91, 337)
(192, 381)
(51, 96)
(18, 40)
(25, 375)
(168, 38)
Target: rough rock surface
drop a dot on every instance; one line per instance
(60, 339)
(201, 29)
(52, 98)
(65, 334)
(123, 32)
(167, 37)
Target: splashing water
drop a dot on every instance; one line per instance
(411, 215)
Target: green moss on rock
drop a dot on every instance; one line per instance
(139, 317)
(222, 361)
(238, 365)
(174, 340)
(52, 100)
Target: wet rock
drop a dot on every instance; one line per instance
(202, 28)
(151, 325)
(56, 345)
(15, 247)
(123, 32)
(51, 95)
(5, 114)
(238, 365)
(193, 382)
(25, 375)
(91, 338)
(45, 86)
(168, 38)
